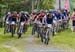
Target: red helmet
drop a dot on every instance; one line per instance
(42, 14)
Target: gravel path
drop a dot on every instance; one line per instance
(33, 47)
(14, 49)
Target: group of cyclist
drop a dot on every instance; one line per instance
(44, 22)
(50, 21)
(12, 19)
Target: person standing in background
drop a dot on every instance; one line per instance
(73, 20)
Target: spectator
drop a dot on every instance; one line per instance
(73, 20)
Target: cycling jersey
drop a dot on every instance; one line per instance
(23, 18)
(13, 19)
(49, 20)
(40, 19)
(65, 13)
(26, 17)
(58, 15)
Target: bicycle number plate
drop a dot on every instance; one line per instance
(13, 22)
(49, 25)
(22, 23)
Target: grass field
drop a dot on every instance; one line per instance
(63, 40)
(6, 41)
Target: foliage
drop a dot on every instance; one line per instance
(2, 6)
(26, 4)
(47, 4)
(72, 3)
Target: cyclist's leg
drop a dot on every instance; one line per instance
(53, 29)
(33, 29)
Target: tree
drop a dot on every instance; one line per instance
(17, 4)
(26, 4)
(47, 4)
(2, 7)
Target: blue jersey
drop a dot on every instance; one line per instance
(65, 13)
(49, 20)
(58, 15)
(12, 18)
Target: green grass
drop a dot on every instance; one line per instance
(65, 39)
(3, 49)
(6, 39)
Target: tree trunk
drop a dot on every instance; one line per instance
(60, 4)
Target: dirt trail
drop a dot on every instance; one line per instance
(32, 46)
(14, 49)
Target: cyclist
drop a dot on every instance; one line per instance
(34, 21)
(13, 21)
(7, 22)
(58, 18)
(47, 27)
(49, 21)
(65, 18)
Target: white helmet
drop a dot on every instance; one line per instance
(9, 12)
(26, 12)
